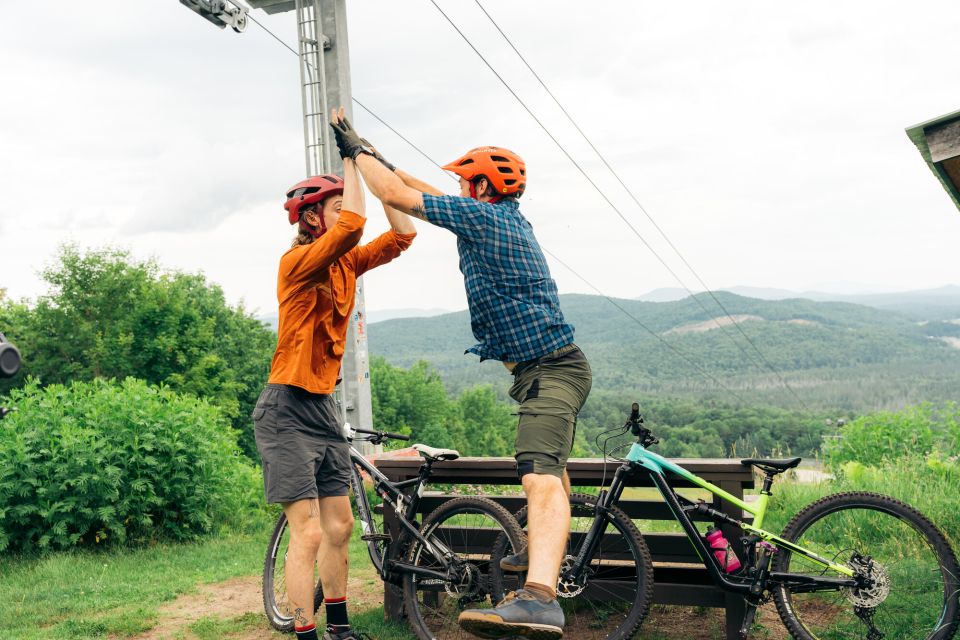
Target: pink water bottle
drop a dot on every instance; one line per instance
(721, 549)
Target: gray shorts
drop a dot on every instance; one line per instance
(300, 439)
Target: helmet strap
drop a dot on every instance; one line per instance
(473, 193)
(316, 234)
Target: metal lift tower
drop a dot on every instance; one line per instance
(325, 85)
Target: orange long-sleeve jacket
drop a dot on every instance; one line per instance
(316, 287)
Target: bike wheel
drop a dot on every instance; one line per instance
(376, 533)
(468, 527)
(916, 573)
(276, 603)
(614, 597)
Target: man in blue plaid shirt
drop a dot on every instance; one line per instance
(516, 318)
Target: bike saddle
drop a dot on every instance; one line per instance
(437, 454)
(773, 464)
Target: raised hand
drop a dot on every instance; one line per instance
(348, 140)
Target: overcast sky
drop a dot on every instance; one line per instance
(766, 139)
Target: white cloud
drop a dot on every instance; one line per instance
(765, 139)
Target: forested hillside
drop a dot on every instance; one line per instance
(837, 356)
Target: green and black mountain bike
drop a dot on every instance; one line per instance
(850, 565)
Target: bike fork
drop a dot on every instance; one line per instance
(605, 500)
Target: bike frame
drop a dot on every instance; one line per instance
(657, 464)
(406, 509)
(657, 467)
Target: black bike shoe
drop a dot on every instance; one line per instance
(353, 634)
(519, 562)
(520, 614)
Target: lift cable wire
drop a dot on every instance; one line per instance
(642, 208)
(613, 206)
(610, 300)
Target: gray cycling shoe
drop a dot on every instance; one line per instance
(519, 562)
(520, 614)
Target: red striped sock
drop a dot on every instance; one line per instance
(308, 632)
(337, 621)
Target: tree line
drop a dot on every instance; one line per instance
(109, 315)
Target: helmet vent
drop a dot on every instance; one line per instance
(301, 192)
(504, 169)
(333, 180)
(509, 183)
(522, 172)
(499, 159)
(467, 161)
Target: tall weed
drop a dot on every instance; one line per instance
(96, 463)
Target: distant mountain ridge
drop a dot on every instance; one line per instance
(918, 301)
(833, 354)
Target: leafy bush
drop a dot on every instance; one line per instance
(98, 462)
(883, 437)
(107, 314)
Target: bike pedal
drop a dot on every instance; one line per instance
(376, 537)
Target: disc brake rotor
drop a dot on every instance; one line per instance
(872, 596)
(568, 588)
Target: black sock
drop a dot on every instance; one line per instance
(307, 633)
(337, 621)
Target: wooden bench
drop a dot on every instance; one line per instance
(688, 585)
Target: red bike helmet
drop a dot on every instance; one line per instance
(310, 191)
(504, 170)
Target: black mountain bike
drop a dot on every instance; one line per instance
(440, 567)
(850, 565)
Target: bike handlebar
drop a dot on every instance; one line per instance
(383, 434)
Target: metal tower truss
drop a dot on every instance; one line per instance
(313, 84)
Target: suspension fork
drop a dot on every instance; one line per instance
(605, 501)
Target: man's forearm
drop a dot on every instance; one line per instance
(382, 182)
(419, 185)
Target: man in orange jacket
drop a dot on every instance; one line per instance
(306, 458)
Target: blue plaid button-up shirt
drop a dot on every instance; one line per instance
(514, 308)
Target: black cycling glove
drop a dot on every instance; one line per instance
(348, 140)
(376, 154)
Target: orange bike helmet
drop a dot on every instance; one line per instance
(308, 192)
(503, 169)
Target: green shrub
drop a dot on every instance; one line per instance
(107, 314)
(881, 437)
(98, 462)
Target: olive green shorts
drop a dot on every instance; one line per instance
(551, 391)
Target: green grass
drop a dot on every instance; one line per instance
(83, 594)
(214, 627)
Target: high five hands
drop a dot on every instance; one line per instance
(349, 141)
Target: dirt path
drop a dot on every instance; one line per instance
(227, 600)
(238, 605)
(235, 608)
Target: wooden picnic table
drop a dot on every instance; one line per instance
(680, 578)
